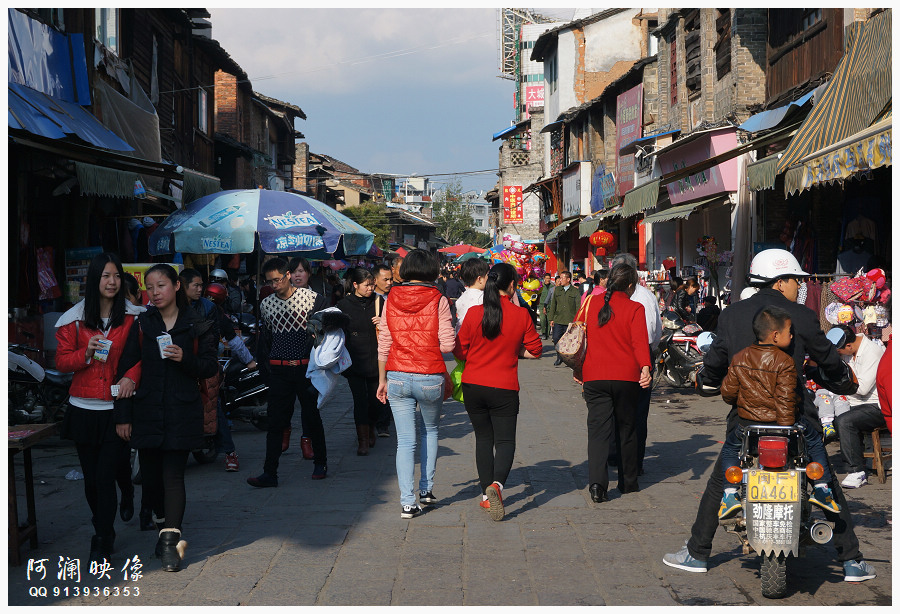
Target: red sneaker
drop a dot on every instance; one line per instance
(306, 448)
(495, 501)
(286, 439)
(485, 504)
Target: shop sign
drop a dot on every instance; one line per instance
(534, 97)
(708, 182)
(571, 204)
(603, 190)
(512, 205)
(629, 118)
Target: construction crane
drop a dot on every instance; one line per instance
(509, 24)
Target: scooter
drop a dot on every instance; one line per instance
(678, 357)
(243, 393)
(36, 395)
(775, 475)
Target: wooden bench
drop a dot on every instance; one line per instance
(878, 453)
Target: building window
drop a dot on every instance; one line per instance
(723, 42)
(811, 17)
(107, 28)
(479, 223)
(53, 17)
(202, 111)
(692, 52)
(550, 75)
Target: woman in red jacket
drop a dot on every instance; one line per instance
(84, 337)
(415, 329)
(491, 339)
(616, 367)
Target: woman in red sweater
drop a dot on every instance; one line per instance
(103, 317)
(491, 339)
(616, 367)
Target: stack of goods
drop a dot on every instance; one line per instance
(859, 302)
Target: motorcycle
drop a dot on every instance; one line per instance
(36, 395)
(678, 357)
(243, 393)
(775, 476)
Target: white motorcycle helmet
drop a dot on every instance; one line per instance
(770, 264)
(218, 276)
(705, 341)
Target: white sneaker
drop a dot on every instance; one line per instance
(855, 480)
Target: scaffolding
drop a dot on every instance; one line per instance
(509, 28)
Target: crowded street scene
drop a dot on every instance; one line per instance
(627, 344)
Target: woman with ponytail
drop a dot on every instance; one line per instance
(492, 338)
(616, 367)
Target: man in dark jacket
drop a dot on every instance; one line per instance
(563, 307)
(284, 349)
(541, 304)
(778, 272)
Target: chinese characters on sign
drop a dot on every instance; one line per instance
(775, 522)
(629, 118)
(534, 97)
(69, 570)
(512, 205)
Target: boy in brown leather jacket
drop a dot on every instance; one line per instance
(761, 382)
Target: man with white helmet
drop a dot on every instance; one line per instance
(233, 303)
(777, 273)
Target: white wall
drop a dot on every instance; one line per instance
(611, 40)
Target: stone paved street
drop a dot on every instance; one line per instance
(341, 541)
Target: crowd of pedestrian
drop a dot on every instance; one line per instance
(137, 370)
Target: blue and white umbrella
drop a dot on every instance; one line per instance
(229, 222)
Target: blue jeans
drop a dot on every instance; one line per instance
(405, 390)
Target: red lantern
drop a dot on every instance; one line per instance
(601, 238)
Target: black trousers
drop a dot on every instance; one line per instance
(367, 409)
(99, 464)
(558, 331)
(707, 521)
(612, 404)
(163, 483)
(286, 385)
(493, 413)
(851, 427)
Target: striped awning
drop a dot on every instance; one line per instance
(551, 236)
(761, 174)
(640, 198)
(855, 96)
(864, 151)
(588, 227)
(681, 211)
(102, 181)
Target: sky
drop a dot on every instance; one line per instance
(386, 90)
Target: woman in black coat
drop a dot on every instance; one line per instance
(164, 420)
(683, 297)
(363, 307)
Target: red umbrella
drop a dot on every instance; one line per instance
(461, 249)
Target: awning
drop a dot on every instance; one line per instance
(761, 174)
(40, 114)
(197, 185)
(551, 236)
(102, 181)
(680, 212)
(869, 149)
(859, 90)
(519, 126)
(588, 227)
(552, 126)
(772, 118)
(640, 198)
(632, 146)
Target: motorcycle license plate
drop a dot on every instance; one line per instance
(773, 486)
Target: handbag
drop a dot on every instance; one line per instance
(456, 376)
(572, 346)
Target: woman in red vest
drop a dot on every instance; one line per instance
(616, 367)
(90, 339)
(491, 339)
(415, 329)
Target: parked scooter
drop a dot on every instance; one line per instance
(244, 393)
(775, 475)
(36, 395)
(678, 357)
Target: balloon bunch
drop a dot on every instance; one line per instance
(526, 259)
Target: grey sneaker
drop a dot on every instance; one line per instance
(855, 480)
(683, 560)
(858, 571)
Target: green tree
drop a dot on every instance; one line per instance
(373, 217)
(452, 218)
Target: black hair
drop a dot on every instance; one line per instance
(92, 293)
(621, 278)
(379, 268)
(132, 287)
(181, 299)
(675, 282)
(769, 319)
(356, 276)
(500, 276)
(275, 264)
(299, 261)
(565, 272)
(849, 334)
(709, 300)
(189, 275)
(472, 269)
(600, 275)
(392, 260)
(420, 265)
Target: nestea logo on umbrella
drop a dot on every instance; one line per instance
(289, 220)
